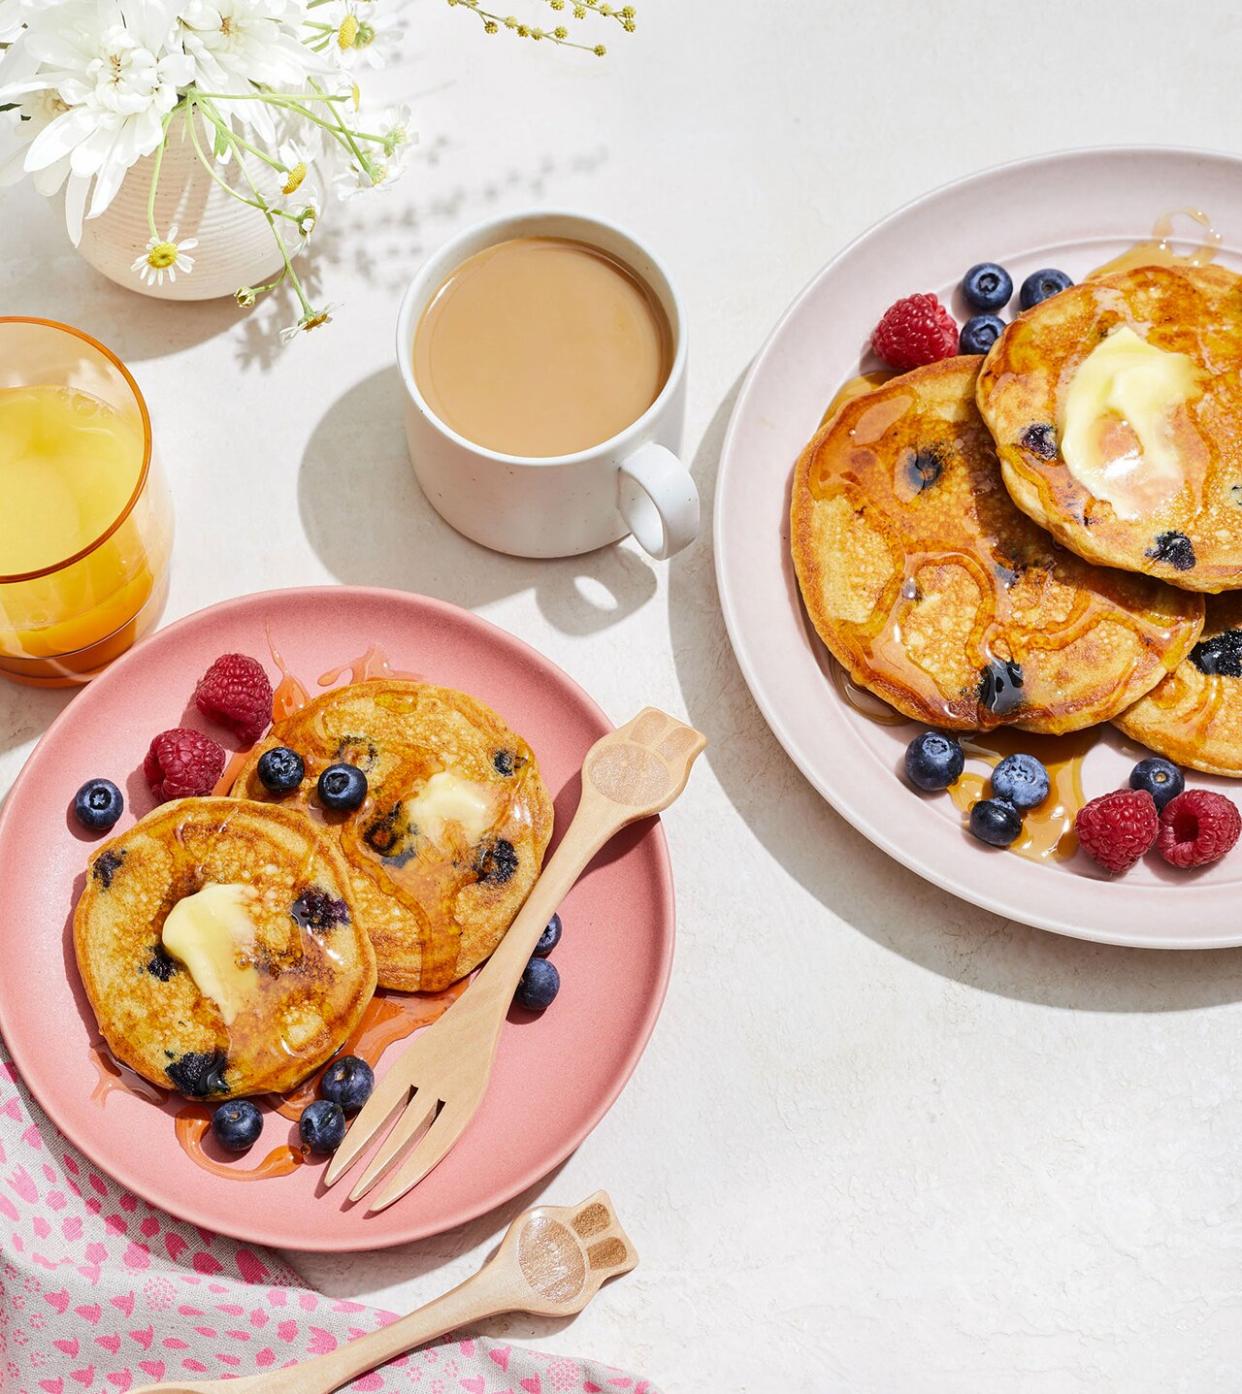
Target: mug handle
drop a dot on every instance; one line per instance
(658, 500)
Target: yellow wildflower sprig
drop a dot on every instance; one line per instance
(625, 15)
(559, 34)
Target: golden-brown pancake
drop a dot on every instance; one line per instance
(938, 595)
(1194, 717)
(452, 834)
(288, 981)
(1117, 412)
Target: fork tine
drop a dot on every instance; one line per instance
(430, 1151)
(392, 1091)
(418, 1113)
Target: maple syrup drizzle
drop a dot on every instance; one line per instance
(1158, 251)
(193, 1122)
(372, 664)
(1047, 831)
(290, 695)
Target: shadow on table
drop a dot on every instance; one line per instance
(368, 521)
(876, 895)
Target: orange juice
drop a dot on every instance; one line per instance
(70, 466)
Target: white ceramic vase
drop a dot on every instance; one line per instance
(235, 244)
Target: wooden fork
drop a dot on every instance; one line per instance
(438, 1082)
(552, 1261)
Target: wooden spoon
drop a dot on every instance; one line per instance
(551, 1262)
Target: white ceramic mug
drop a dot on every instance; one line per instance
(558, 505)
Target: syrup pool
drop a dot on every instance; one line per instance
(1158, 250)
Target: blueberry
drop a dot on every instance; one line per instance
(1221, 654)
(540, 984)
(1174, 548)
(1041, 285)
(995, 822)
(933, 761)
(987, 286)
(348, 1082)
(550, 938)
(322, 1126)
(236, 1125)
(342, 788)
(98, 804)
(1020, 780)
(1161, 778)
(980, 332)
(281, 770)
(495, 862)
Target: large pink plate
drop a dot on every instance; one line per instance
(555, 1076)
(1075, 211)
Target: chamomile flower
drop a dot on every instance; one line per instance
(165, 256)
(311, 319)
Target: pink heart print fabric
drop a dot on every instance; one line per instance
(101, 1291)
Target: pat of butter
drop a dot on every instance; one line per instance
(211, 934)
(448, 798)
(1116, 428)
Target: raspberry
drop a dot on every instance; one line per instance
(1198, 827)
(1116, 829)
(915, 331)
(236, 692)
(181, 763)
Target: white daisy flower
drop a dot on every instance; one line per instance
(165, 256)
(110, 64)
(312, 319)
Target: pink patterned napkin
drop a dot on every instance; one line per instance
(101, 1291)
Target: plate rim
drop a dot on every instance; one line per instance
(392, 1236)
(767, 700)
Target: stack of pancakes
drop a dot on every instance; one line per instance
(411, 891)
(957, 567)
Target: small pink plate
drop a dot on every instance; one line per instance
(1073, 211)
(555, 1075)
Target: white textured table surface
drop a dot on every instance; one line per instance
(881, 1140)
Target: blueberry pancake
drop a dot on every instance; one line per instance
(219, 947)
(1194, 717)
(1117, 411)
(937, 594)
(451, 835)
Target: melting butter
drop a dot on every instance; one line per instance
(1116, 425)
(212, 935)
(449, 798)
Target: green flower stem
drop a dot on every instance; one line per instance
(289, 273)
(155, 178)
(208, 109)
(208, 166)
(347, 137)
(266, 96)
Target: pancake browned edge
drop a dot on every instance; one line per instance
(939, 596)
(313, 966)
(1194, 717)
(437, 899)
(1192, 539)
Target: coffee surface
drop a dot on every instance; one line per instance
(541, 346)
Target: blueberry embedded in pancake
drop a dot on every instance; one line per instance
(220, 950)
(937, 594)
(1194, 717)
(1116, 406)
(451, 833)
